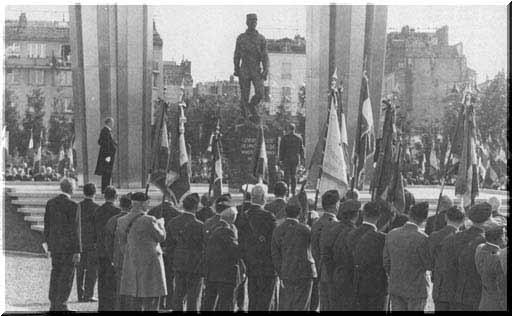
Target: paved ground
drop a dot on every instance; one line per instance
(26, 286)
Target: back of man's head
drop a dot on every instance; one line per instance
(110, 193)
(258, 195)
(292, 210)
(280, 189)
(191, 202)
(371, 211)
(495, 203)
(291, 128)
(419, 212)
(329, 200)
(352, 195)
(229, 214)
(125, 202)
(222, 203)
(89, 189)
(445, 203)
(205, 200)
(454, 215)
(67, 185)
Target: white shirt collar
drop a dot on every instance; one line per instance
(490, 243)
(370, 224)
(292, 219)
(66, 194)
(411, 223)
(185, 212)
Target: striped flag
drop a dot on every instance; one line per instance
(365, 136)
(160, 152)
(260, 170)
(178, 177)
(215, 148)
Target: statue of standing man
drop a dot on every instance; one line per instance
(251, 50)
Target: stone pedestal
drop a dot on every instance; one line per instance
(112, 64)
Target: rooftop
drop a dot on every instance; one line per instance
(286, 45)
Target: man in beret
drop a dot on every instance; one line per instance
(489, 268)
(222, 203)
(437, 221)
(278, 205)
(454, 218)
(333, 254)
(291, 255)
(330, 202)
(240, 219)
(143, 277)
(256, 228)
(455, 273)
(406, 261)
(370, 279)
(167, 211)
(187, 232)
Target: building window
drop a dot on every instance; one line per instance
(13, 51)
(286, 94)
(66, 105)
(36, 50)
(167, 80)
(64, 78)
(286, 71)
(65, 53)
(36, 77)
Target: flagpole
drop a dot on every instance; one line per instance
(164, 108)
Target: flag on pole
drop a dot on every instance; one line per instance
(160, 152)
(433, 160)
(37, 157)
(365, 136)
(501, 156)
(396, 193)
(5, 139)
(31, 141)
(260, 170)
(178, 177)
(62, 155)
(334, 166)
(215, 148)
(423, 160)
(70, 155)
(344, 137)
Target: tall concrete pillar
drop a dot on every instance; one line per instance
(112, 64)
(336, 39)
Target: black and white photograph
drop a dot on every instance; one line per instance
(256, 156)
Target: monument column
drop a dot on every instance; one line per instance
(112, 60)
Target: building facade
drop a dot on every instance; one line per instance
(174, 75)
(229, 88)
(423, 67)
(287, 73)
(158, 68)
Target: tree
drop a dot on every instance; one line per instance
(33, 120)
(12, 121)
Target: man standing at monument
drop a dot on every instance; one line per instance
(251, 50)
(291, 153)
(106, 155)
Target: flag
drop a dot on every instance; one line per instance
(178, 178)
(433, 160)
(457, 139)
(31, 141)
(334, 166)
(70, 155)
(467, 178)
(501, 156)
(396, 193)
(365, 136)
(37, 157)
(160, 153)
(423, 160)
(344, 137)
(215, 148)
(260, 170)
(5, 139)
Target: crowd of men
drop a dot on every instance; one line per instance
(23, 172)
(206, 256)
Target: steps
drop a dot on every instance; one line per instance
(31, 199)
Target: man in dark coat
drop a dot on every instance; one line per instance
(106, 154)
(370, 279)
(332, 242)
(87, 270)
(454, 220)
(106, 272)
(222, 203)
(291, 153)
(166, 211)
(187, 232)
(454, 276)
(293, 261)
(242, 287)
(406, 261)
(256, 228)
(206, 211)
(222, 264)
(330, 202)
(438, 221)
(278, 205)
(61, 240)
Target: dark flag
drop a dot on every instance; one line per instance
(215, 148)
(467, 178)
(396, 193)
(179, 173)
(365, 136)
(161, 153)
(260, 170)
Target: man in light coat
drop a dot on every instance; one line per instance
(143, 275)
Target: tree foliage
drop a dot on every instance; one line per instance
(33, 120)
(12, 121)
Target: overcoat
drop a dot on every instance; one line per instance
(107, 149)
(493, 278)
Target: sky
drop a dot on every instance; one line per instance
(206, 35)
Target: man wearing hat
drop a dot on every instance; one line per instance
(454, 218)
(438, 221)
(278, 205)
(251, 50)
(239, 221)
(370, 279)
(291, 255)
(330, 202)
(143, 277)
(222, 203)
(489, 268)
(291, 153)
(455, 275)
(333, 254)
(186, 231)
(406, 261)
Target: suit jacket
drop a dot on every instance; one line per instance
(434, 248)
(291, 149)
(370, 278)
(493, 279)
(61, 226)
(324, 223)
(256, 228)
(327, 246)
(168, 212)
(406, 261)
(101, 217)
(143, 266)
(435, 222)
(187, 232)
(451, 248)
(223, 255)
(277, 207)
(469, 284)
(87, 209)
(205, 213)
(291, 251)
(107, 149)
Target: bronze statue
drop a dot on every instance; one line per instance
(251, 49)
